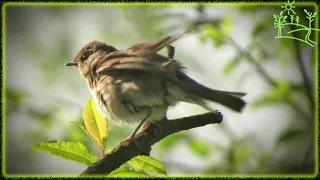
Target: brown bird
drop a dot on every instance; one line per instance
(138, 84)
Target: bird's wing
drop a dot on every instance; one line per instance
(143, 58)
(230, 99)
(121, 61)
(145, 49)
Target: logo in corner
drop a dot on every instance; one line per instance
(281, 20)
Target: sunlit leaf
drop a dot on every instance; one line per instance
(85, 131)
(96, 125)
(226, 23)
(147, 164)
(127, 171)
(216, 35)
(74, 151)
(140, 166)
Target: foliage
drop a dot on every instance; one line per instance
(96, 127)
(140, 166)
(74, 151)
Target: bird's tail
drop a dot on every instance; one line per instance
(191, 87)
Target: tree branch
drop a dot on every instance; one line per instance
(309, 91)
(149, 136)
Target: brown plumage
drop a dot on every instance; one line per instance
(129, 84)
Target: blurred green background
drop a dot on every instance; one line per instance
(232, 48)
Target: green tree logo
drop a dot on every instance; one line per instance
(280, 21)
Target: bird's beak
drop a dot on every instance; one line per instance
(70, 64)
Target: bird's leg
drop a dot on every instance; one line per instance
(170, 52)
(156, 123)
(132, 135)
(146, 124)
(149, 111)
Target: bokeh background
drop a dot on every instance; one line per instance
(232, 48)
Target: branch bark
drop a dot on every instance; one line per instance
(149, 136)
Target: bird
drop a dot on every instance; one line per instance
(138, 85)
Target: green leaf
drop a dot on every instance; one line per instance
(231, 65)
(126, 171)
(96, 125)
(74, 151)
(290, 135)
(199, 147)
(217, 36)
(147, 164)
(226, 24)
(85, 131)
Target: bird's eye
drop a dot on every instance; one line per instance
(86, 55)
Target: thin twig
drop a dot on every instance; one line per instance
(264, 74)
(253, 61)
